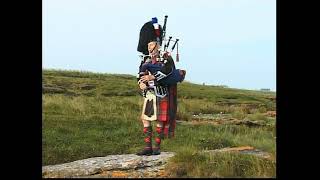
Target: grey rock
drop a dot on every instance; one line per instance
(126, 164)
(242, 150)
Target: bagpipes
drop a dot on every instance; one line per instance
(165, 51)
(169, 40)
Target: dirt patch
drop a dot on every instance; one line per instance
(271, 113)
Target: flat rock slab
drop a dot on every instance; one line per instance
(126, 165)
(228, 121)
(243, 150)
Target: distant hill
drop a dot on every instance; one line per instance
(76, 83)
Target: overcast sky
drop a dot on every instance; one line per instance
(221, 42)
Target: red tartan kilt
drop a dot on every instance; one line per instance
(162, 109)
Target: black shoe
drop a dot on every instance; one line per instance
(156, 152)
(146, 152)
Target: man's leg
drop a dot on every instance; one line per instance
(147, 131)
(158, 137)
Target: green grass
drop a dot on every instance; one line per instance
(189, 163)
(95, 114)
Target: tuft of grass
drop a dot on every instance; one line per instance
(257, 116)
(190, 163)
(239, 113)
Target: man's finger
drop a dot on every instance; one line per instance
(144, 78)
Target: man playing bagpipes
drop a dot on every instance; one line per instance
(157, 78)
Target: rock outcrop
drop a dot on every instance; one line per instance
(229, 121)
(126, 165)
(243, 150)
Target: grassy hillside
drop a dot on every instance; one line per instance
(89, 114)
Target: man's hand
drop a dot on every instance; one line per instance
(146, 78)
(142, 86)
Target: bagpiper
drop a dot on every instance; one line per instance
(157, 79)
